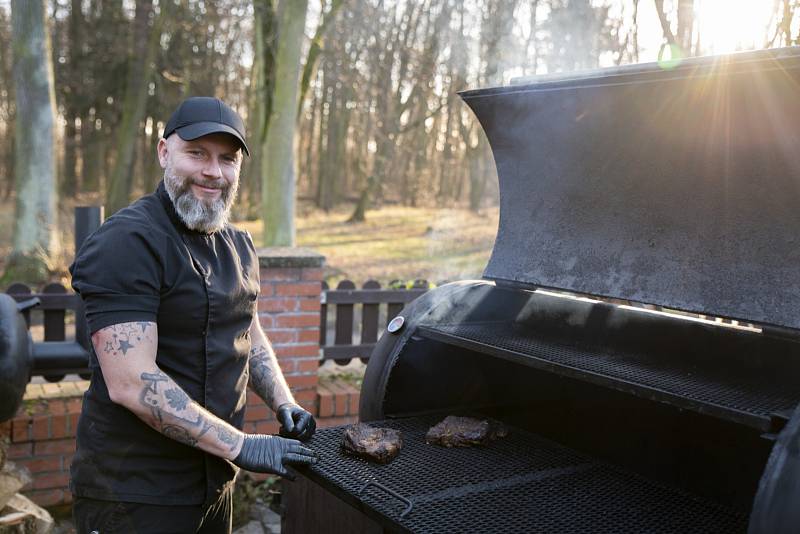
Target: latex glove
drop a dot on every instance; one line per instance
(295, 422)
(271, 454)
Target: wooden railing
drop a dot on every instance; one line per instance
(349, 313)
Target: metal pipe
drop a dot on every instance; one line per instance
(59, 357)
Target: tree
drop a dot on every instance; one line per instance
(35, 237)
(679, 42)
(146, 34)
(278, 191)
(6, 108)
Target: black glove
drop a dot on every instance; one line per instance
(295, 422)
(268, 454)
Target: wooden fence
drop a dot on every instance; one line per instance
(351, 321)
(376, 307)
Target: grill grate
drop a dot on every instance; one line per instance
(523, 483)
(748, 399)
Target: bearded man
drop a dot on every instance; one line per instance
(170, 291)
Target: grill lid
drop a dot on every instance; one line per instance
(679, 188)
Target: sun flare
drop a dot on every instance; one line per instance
(729, 25)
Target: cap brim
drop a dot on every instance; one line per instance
(199, 129)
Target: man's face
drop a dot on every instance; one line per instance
(201, 178)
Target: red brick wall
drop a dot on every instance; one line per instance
(42, 435)
(43, 439)
(289, 308)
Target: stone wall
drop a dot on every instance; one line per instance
(42, 435)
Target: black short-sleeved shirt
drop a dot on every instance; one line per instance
(144, 264)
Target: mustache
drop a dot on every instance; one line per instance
(209, 184)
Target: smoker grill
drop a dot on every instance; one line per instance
(676, 189)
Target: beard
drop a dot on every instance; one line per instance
(207, 216)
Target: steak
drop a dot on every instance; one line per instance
(457, 431)
(379, 445)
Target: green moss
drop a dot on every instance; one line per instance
(28, 269)
(29, 406)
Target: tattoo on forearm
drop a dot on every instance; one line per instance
(176, 398)
(178, 422)
(125, 336)
(180, 434)
(262, 375)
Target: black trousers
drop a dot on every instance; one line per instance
(93, 516)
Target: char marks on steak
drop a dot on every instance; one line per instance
(379, 445)
(457, 431)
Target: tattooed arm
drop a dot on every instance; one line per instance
(127, 356)
(266, 378)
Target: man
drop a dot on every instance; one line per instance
(170, 292)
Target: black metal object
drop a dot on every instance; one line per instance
(523, 483)
(15, 354)
(670, 187)
(409, 504)
(775, 510)
(675, 188)
(737, 395)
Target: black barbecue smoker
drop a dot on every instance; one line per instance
(637, 327)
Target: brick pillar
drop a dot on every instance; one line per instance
(289, 311)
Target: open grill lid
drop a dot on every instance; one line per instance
(679, 188)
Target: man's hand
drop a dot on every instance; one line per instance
(295, 422)
(269, 454)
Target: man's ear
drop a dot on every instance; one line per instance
(162, 150)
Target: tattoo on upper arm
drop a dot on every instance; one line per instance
(124, 337)
(262, 375)
(171, 416)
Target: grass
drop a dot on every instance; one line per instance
(397, 243)
(394, 243)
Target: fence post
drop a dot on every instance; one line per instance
(87, 220)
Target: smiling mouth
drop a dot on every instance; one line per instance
(207, 189)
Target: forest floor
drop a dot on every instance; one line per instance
(394, 243)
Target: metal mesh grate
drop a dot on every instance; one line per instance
(522, 483)
(751, 395)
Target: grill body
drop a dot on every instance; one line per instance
(623, 417)
(15, 356)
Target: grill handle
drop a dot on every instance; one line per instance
(393, 493)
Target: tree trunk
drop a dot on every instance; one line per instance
(93, 151)
(278, 193)
(69, 179)
(261, 101)
(312, 58)
(146, 36)
(35, 235)
(360, 212)
(685, 25)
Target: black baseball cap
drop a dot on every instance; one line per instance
(202, 115)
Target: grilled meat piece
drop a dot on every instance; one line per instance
(379, 445)
(465, 432)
